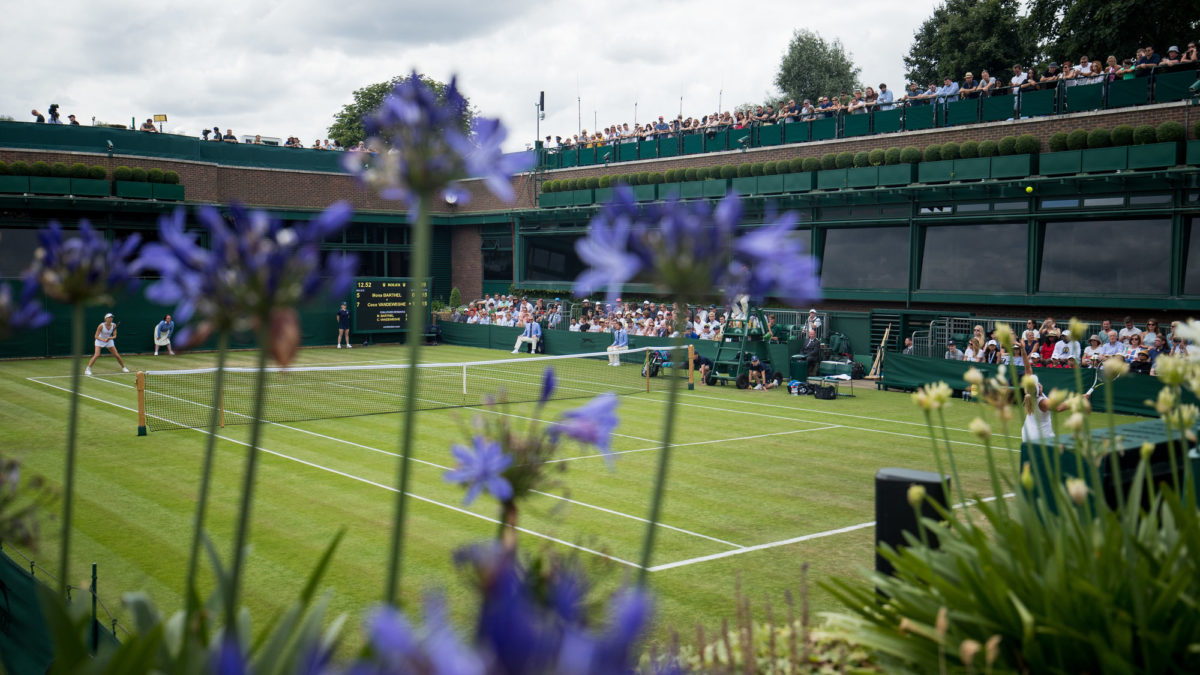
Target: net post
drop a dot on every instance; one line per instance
(221, 409)
(141, 403)
(464, 379)
(646, 369)
(691, 367)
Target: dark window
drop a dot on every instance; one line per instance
(1113, 257)
(376, 234)
(398, 263)
(551, 258)
(975, 257)
(497, 265)
(1191, 264)
(16, 251)
(371, 263)
(865, 257)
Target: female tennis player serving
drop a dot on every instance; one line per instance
(106, 336)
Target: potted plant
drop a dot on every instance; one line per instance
(935, 169)
(1145, 153)
(1101, 155)
(863, 174)
(168, 189)
(127, 185)
(49, 180)
(89, 181)
(14, 178)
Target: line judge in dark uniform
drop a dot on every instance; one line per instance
(812, 352)
(343, 324)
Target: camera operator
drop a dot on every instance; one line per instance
(55, 118)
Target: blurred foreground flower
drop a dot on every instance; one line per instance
(26, 313)
(84, 269)
(481, 466)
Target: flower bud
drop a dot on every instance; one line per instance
(1030, 384)
(992, 650)
(1171, 370)
(1003, 334)
(967, 651)
(1147, 450)
(1074, 423)
(1079, 330)
(1056, 398)
(1078, 490)
(1114, 368)
(916, 495)
(939, 395)
(980, 428)
(1026, 477)
(973, 376)
(1165, 402)
(943, 624)
(921, 399)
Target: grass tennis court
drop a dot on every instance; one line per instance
(761, 483)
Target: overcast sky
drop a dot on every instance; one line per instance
(284, 68)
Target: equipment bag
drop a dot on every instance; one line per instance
(857, 371)
(825, 392)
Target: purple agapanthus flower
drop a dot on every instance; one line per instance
(397, 647)
(481, 469)
(26, 313)
(549, 383)
(692, 249)
(86, 268)
(420, 148)
(591, 423)
(229, 658)
(253, 265)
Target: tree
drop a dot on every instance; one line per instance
(812, 67)
(970, 35)
(347, 127)
(1100, 28)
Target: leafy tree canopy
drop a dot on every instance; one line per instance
(969, 35)
(1099, 28)
(813, 67)
(347, 127)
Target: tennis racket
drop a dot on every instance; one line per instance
(1098, 380)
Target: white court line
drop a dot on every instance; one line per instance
(368, 482)
(447, 468)
(786, 542)
(830, 412)
(684, 445)
(798, 419)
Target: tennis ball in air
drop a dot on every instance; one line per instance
(1029, 188)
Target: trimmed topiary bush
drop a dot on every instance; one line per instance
(743, 170)
(1057, 141)
(933, 153)
(891, 155)
(969, 149)
(3, 169)
(156, 176)
(987, 148)
(1122, 134)
(60, 170)
(669, 175)
(138, 175)
(78, 170)
(1143, 134)
(769, 168)
(605, 181)
(844, 160)
(811, 164)
(1007, 145)
(950, 150)
(19, 168)
(656, 178)
(122, 173)
(1027, 144)
(40, 169)
(829, 161)
(547, 186)
(1099, 138)
(100, 173)
(1077, 140)
(862, 159)
(910, 155)
(1170, 132)
(689, 174)
(703, 173)
(876, 157)
(796, 165)
(728, 171)
(756, 169)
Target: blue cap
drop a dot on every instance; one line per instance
(754, 357)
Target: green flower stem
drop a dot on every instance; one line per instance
(243, 526)
(189, 589)
(664, 459)
(937, 454)
(415, 336)
(64, 552)
(1112, 448)
(962, 495)
(994, 475)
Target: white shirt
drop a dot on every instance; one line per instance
(1038, 425)
(574, 328)
(1018, 80)
(1125, 333)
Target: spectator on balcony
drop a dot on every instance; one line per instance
(1069, 76)
(1050, 79)
(1152, 332)
(987, 83)
(1114, 346)
(1111, 68)
(871, 98)
(858, 105)
(948, 91)
(74, 122)
(37, 117)
(1030, 336)
(661, 127)
(808, 112)
(1148, 62)
(229, 137)
(970, 86)
(1096, 75)
(1084, 66)
(55, 118)
(1129, 330)
(886, 101)
(953, 353)
(1020, 79)
(216, 133)
(257, 140)
(825, 107)
(148, 126)
(1189, 55)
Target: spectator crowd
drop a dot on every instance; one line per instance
(1144, 63)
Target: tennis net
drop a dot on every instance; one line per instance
(175, 399)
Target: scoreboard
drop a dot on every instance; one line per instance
(381, 304)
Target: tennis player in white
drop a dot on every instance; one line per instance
(163, 330)
(106, 336)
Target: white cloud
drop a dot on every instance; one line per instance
(283, 69)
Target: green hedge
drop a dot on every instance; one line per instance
(933, 153)
(969, 149)
(1057, 141)
(1143, 134)
(862, 159)
(988, 148)
(844, 160)
(811, 164)
(910, 155)
(1099, 138)
(1122, 134)
(950, 150)
(891, 155)
(1077, 139)
(1027, 144)
(1007, 145)
(829, 161)
(1170, 132)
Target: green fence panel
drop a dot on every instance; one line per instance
(962, 112)
(25, 642)
(1193, 153)
(604, 195)
(716, 141)
(770, 185)
(831, 179)
(936, 172)
(645, 193)
(1104, 159)
(300, 159)
(557, 342)
(799, 182)
(583, 197)
(1039, 103)
(972, 168)
(587, 156)
(918, 117)
(715, 188)
(668, 147)
(547, 199)
(1082, 97)
(888, 121)
(744, 186)
(693, 144)
(1129, 392)
(1153, 155)
(1060, 163)
(897, 174)
(824, 128)
(628, 152)
(1124, 93)
(648, 149)
(691, 189)
(796, 132)
(862, 177)
(569, 158)
(997, 108)
(1173, 86)
(741, 138)
(771, 134)
(14, 184)
(1012, 166)
(40, 185)
(856, 125)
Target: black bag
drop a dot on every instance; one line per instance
(857, 371)
(825, 392)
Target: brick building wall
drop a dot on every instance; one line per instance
(466, 261)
